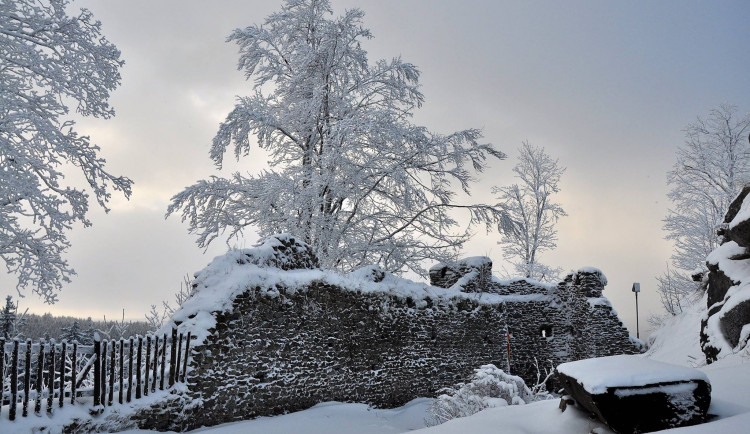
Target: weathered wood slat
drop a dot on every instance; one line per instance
(14, 381)
(130, 371)
(63, 354)
(39, 374)
(103, 381)
(111, 375)
(138, 366)
(73, 367)
(156, 361)
(148, 360)
(2, 372)
(27, 379)
(179, 355)
(97, 371)
(122, 346)
(50, 377)
(185, 362)
(163, 361)
(173, 358)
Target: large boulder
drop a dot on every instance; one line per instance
(726, 327)
(635, 394)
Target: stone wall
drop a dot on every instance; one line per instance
(291, 347)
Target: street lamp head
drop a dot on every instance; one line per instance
(636, 287)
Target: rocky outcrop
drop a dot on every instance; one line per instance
(726, 327)
(271, 341)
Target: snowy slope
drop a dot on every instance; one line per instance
(678, 340)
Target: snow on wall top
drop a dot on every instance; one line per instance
(217, 285)
(599, 374)
(471, 261)
(593, 270)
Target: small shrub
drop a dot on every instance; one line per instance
(489, 387)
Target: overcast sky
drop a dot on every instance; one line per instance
(606, 87)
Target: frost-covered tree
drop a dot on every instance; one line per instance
(489, 387)
(49, 61)
(350, 174)
(11, 323)
(75, 332)
(712, 167)
(534, 213)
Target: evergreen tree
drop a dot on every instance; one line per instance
(8, 318)
(76, 333)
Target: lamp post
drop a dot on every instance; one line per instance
(636, 290)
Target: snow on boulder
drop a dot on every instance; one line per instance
(635, 394)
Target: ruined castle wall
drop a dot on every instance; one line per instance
(288, 340)
(283, 353)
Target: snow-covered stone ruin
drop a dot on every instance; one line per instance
(274, 334)
(726, 327)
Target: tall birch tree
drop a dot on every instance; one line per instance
(350, 173)
(710, 170)
(533, 212)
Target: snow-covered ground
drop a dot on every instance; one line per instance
(730, 402)
(676, 342)
(730, 380)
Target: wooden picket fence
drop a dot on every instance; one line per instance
(32, 373)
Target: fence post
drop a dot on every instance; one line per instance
(122, 346)
(73, 373)
(163, 361)
(138, 366)
(39, 374)
(104, 374)
(63, 354)
(179, 355)
(185, 362)
(50, 376)
(27, 379)
(156, 362)
(130, 370)
(14, 381)
(97, 370)
(2, 370)
(148, 360)
(173, 356)
(111, 375)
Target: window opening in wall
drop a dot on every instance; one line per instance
(545, 331)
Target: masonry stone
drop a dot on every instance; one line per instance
(289, 347)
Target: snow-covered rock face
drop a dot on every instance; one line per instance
(726, 327)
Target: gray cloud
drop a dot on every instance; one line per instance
(605, 87)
